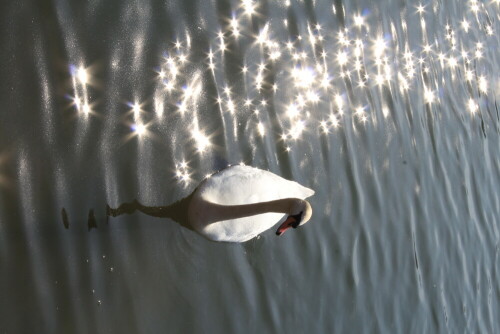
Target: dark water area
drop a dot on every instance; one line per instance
(387, 109)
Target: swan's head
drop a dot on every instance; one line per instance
(300, 213)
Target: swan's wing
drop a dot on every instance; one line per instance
(245, 184)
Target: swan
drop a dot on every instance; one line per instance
(240, 202)
(235, 205)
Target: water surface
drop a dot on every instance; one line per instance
(387, 109)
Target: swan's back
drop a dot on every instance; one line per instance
(237, 185)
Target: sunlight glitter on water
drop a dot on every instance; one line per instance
(315, 69)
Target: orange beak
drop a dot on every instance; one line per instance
(289, 222)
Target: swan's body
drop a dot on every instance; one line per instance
(240, 202)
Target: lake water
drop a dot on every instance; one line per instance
(387, 109)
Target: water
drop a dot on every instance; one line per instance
(387, 110)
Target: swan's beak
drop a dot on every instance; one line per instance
(291, 221)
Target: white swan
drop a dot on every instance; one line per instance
(240, 202)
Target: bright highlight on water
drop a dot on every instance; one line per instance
(309, 79)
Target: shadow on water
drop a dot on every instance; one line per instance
(177, 211)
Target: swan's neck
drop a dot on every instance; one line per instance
(221, 212)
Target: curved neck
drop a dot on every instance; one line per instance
(221, 212)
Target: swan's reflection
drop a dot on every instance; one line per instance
(177, 211)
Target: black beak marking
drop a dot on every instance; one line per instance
(298, 219)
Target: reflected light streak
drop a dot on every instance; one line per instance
(182, 173)
(139, 129)
(472, 106)
(86, 108)
(342, 58)
(202, 141)
(428, 96)
(359, 20)
(379, 47)
(82, 75)
(360, 111)
(159, 106)
(304, 77)
(483, 84)
(261, 129)
(297, 129)
(248, 7)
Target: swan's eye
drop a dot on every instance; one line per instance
(298, 219)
